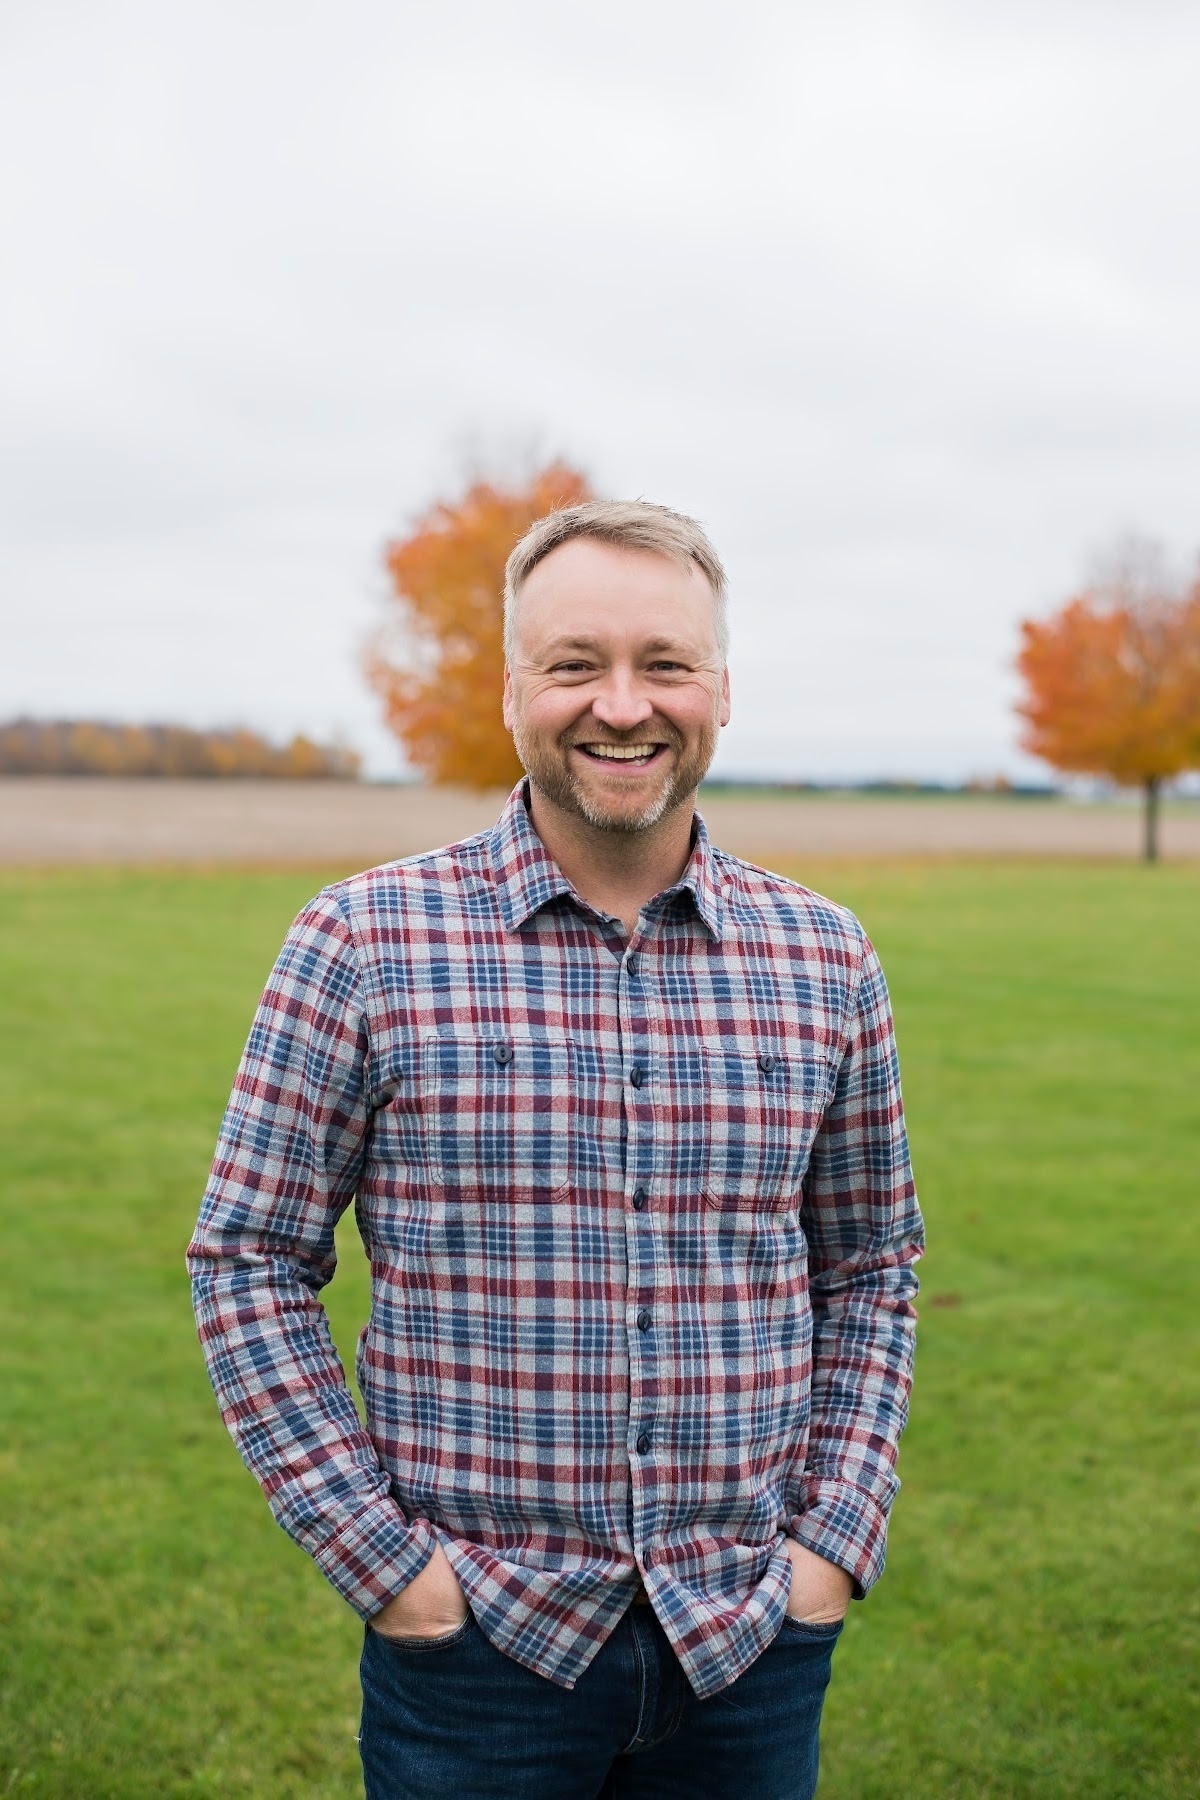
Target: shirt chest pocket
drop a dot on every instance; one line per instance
(495, 1114)
(761, 1114)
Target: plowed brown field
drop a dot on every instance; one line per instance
(48, 820)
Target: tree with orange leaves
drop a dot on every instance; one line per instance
(1113, 686)
(438, 662)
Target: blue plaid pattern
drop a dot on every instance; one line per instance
(642, 1230)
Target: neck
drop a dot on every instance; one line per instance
(615, 871)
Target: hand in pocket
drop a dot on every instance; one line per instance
(821, 1591)
(432, 1605)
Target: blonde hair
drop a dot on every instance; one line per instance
(630, 525)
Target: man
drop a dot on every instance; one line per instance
(622, 1121)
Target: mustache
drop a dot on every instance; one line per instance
(653, 734)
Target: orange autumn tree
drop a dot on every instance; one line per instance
(1112, 687)
(438, 661)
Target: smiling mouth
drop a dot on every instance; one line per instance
(638, 756)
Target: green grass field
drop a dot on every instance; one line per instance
(1038, 1629)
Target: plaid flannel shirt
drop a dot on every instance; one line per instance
(641, 1228)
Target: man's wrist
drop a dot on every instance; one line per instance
(847, 1526)
(375, 1555)
(820, 1591)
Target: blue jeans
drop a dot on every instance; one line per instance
(453, 1716)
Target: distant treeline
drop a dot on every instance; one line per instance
(92, 747)
(999, 784)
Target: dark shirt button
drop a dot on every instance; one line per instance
(637, 1075)
(502, 1053)
(643, 1320)
(766, 1064)
(631, 964)
(643, 1443)
(639, 1199)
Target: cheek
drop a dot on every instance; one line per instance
(695, 712)
(547, 713)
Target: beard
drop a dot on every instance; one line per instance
(550, 770)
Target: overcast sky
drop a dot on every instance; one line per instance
(901, 300)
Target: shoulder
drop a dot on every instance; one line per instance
(377, 905)
(761, 900)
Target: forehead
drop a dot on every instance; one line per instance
(588, 588)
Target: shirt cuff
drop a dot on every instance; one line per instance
(373, 1556)
(846, 1526)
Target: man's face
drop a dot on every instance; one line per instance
(616, 691)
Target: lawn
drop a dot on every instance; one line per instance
(1038, 1630)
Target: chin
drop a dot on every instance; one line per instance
(635, 814)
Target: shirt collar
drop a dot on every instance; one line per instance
(527, 876)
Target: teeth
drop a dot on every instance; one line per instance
(621, 752)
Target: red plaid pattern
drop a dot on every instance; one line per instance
(642, 1232)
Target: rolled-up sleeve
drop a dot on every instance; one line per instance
(865, 1233)
(287, 1164)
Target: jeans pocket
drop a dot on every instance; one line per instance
(811, 1631)
(420, 1646)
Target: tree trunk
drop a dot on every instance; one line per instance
(1150, 842)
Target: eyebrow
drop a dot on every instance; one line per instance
(652, 647)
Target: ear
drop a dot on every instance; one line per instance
(725, 705)
(508, 696)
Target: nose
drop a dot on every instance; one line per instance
(619, 704)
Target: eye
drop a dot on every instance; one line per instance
(574, 667)
(673, 668)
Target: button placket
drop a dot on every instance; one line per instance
(636, 1074)
(637, 1092)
